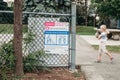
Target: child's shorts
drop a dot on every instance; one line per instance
(102, 47)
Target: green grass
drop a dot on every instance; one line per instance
(85, 30)
(115, 49)
(8, 28)
(81, 30)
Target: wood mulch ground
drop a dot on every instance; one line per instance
(55, 74)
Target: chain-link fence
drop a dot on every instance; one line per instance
(34, 36)
(5, 30)
(45, 35)
(55, 56)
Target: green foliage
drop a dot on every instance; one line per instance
(46, 6)
(32, 62)
(6, 55)
(25, 28)
(3, 5)
(28, 38)
(8, 28)
(83, 30)
(109, 8)
(115, 49)
(78, 73)
(4, 72)
(5, 17)
(6, 60)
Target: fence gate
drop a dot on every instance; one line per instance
(51, 35)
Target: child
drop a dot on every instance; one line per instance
(102, 46)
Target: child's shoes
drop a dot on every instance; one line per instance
(111, 59)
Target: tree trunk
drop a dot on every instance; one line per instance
(86, 12)
(18, 37)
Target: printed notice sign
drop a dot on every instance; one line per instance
(56, 37)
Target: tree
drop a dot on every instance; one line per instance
(86, 12)
(51, 6)
(108, 8)
(83, 12)
(46, 6)
(18, 37)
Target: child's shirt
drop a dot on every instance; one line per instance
(103, 36)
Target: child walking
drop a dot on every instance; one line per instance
(102, 46)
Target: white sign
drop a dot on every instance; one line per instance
(56, 37)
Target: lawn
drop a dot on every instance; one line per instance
(85, 30)
(81, 30)
(114, 49)
(8, 28)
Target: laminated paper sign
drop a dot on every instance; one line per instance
(56, 37)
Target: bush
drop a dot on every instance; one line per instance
(6, 55)
(6, 60)
(32, 62)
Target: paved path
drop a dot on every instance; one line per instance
(94, 41)
(86, 57)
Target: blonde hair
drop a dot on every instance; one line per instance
(103, 27)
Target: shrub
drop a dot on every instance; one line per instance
(32, 62)
(6, 60)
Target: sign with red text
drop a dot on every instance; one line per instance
(56, 37)
(56, 26)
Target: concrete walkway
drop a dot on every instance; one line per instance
(86, 57)
(94, 41)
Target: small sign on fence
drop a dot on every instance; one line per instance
(56, 37)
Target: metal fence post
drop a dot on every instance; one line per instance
(73, 36)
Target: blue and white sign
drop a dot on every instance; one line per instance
(56, 37)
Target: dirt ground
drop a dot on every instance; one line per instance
(55, 74)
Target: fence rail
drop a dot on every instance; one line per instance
(39, 13)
